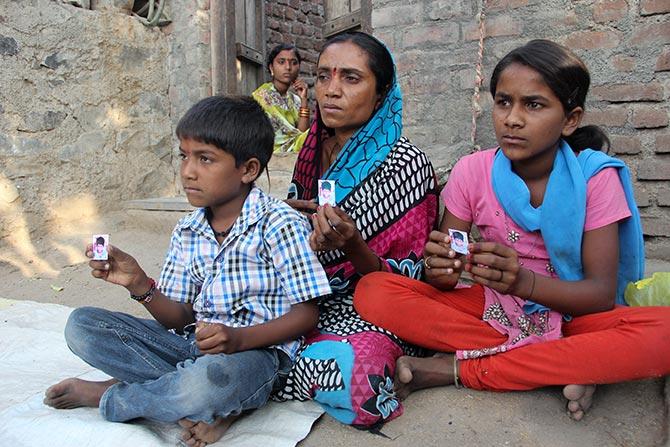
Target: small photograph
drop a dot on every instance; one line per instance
(459, 241)
(100, 244)
(327, 192)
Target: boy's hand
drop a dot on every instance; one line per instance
(216, 338)
(120, 268)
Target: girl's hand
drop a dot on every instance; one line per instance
(300, 87)
(216, 338)
(439, 258)
(494, 265)
(120, 268)
(333, 229)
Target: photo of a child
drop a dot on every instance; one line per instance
(100, 242)
(327, 192)
(459, 241)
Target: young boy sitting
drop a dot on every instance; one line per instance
(235, 293)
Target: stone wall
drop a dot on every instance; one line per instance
(84, 112)
(625, 44)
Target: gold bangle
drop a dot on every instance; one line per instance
(532, 287)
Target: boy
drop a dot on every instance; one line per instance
(233, 297)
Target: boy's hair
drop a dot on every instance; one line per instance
(326, 185)
(100, 240)
(235, 124)
(278, 49)
(566, 75)
(458, 236)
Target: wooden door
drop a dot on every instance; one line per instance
(346, 15)
(238, 45)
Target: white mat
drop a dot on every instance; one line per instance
(33, 356)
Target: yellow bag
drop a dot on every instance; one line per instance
(654, 291)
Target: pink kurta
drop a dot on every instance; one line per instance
(469, 196)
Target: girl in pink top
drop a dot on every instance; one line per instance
(561, 237)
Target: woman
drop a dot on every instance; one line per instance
(386, 207)
(288, 111)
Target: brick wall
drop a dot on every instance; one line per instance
(625, 44)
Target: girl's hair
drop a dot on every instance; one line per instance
(278, 49)
(379, 58)
(566, 75)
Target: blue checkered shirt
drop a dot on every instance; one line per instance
(263, 266)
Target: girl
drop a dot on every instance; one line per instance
(562, 237)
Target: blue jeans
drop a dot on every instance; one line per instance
(162, 375)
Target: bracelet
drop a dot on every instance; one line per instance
(532, 287)
(148, 296)
(304, 112)
(457, 383)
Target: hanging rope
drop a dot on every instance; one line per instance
(153, 15)
(479, 77)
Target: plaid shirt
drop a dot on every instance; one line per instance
(263, 266)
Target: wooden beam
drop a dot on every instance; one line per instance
(342, 23)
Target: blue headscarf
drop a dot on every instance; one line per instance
(367, 149)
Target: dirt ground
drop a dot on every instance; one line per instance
(632, 414)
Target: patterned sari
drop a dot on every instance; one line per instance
(388, 187)
(283, 113)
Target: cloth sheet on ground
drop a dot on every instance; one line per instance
(34, 356)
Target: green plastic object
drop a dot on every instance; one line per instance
(654, 291)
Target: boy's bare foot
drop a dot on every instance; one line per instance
(580, 398)
(199, 434)
(74, 393)
(415, 373)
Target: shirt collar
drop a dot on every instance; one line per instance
(254, 208)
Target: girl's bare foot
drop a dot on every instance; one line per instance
(74, 393)
(199, 434)
(580, 398)
(415, 373)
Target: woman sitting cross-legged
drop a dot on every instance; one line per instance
(386, 207)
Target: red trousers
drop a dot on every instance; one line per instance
(626, 343)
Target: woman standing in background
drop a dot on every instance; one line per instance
(288, 111)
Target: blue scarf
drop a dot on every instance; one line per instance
(561, 216)
(367, 149)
